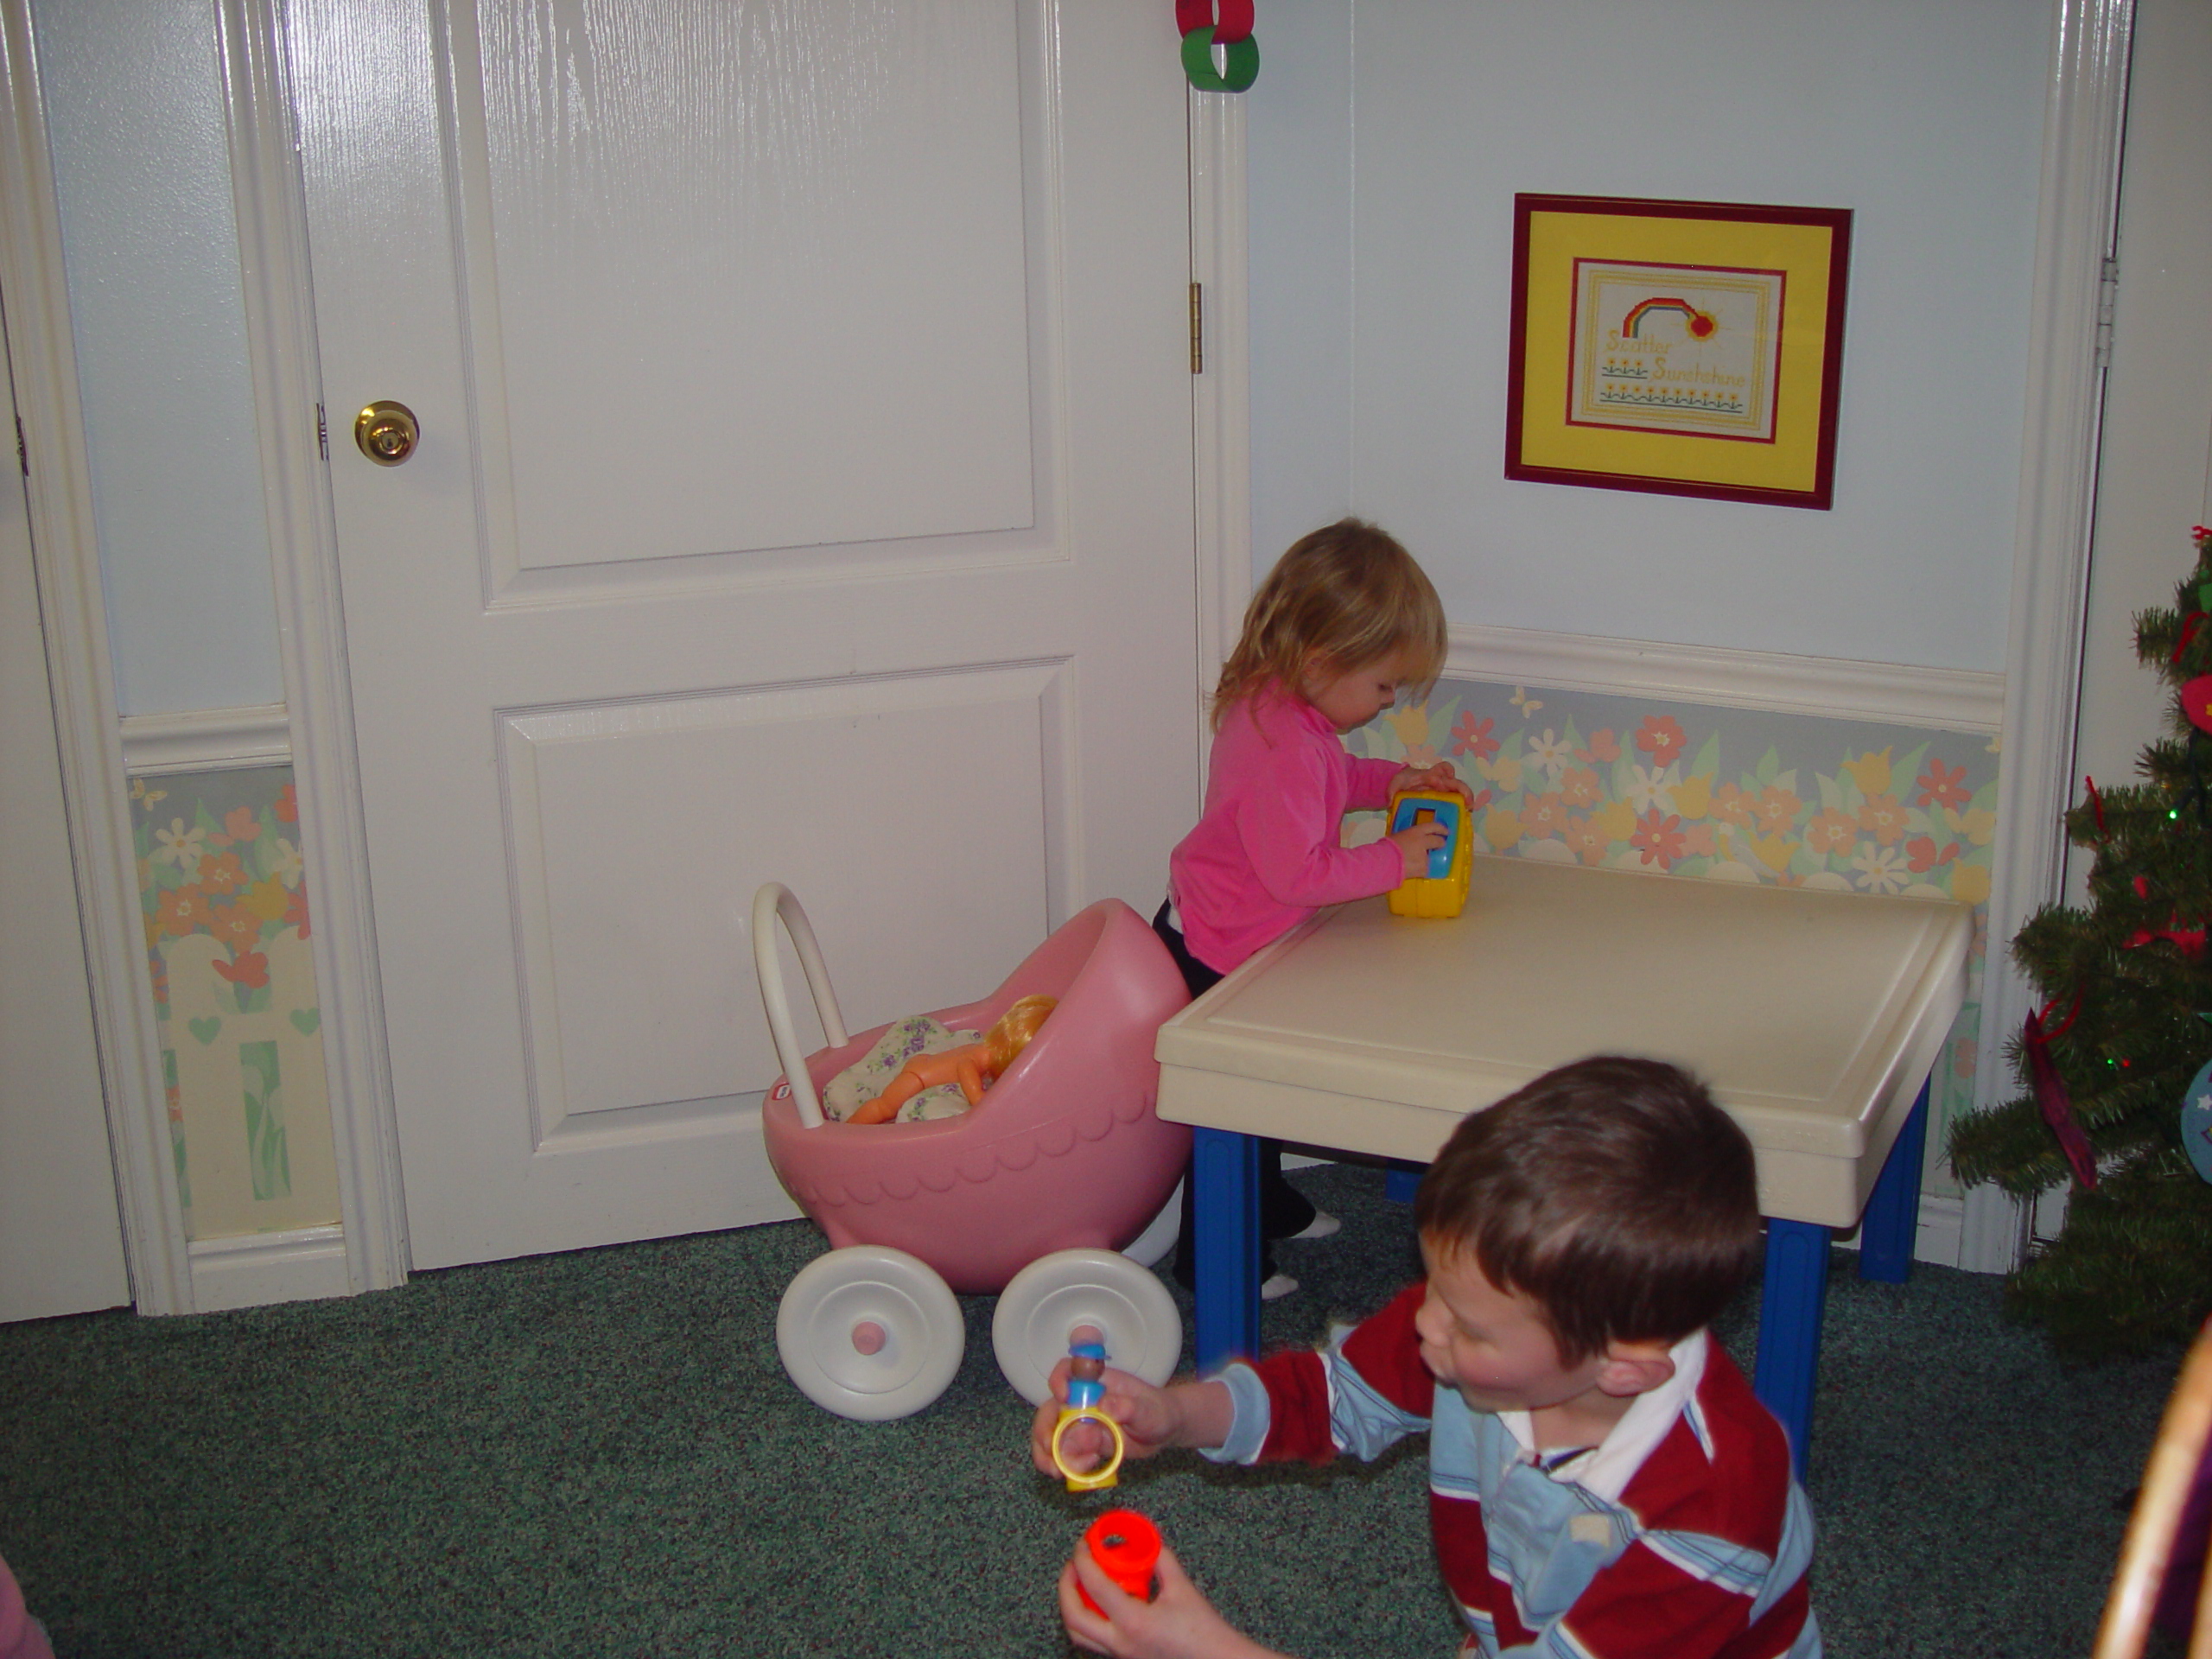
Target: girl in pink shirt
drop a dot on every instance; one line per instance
(1344, 619)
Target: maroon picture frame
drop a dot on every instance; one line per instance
(1838, 223)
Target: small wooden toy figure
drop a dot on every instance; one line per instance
(974, 1066)
(1086, 1390)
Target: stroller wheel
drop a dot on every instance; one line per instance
(1056, 1295)
(869, 1332)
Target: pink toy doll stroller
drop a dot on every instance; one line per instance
(1033, 1194)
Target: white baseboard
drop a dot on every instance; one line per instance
(1942, 1226)
(1993, 1232)
(305, 1264)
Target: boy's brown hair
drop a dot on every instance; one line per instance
(1612, 1193)
(1348, 591)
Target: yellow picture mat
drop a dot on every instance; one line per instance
(1556, 240)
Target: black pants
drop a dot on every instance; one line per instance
(1284, 1211)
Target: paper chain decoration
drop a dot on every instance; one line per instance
(1205, 24)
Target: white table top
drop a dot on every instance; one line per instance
(1813, 1016)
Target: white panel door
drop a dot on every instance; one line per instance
(804, 493)
(60, 1235)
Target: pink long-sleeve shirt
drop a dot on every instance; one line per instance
(22, 1637)
(1265, 853)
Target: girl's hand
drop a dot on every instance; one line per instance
(1415, 842)
(1438, 777)
(1178, 1623)
(1152, 1420)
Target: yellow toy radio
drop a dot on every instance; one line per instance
(1443, 891)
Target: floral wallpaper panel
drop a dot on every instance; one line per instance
(225, 898)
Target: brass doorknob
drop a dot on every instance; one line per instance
(386, 433)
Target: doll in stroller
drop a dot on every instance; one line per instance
(1042, 1193)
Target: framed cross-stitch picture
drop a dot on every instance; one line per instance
(1682, 348)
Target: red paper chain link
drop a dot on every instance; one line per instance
(1231, 20)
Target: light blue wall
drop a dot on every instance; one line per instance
(1388, 138)
(142, 169)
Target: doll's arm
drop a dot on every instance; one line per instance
(968, 1073)
(885, 1107)
(960, 1065)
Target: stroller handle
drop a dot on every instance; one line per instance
(771, 901)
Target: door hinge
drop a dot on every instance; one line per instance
(2108, 304)
(23, 448)
(1198, 328)
(321, 432)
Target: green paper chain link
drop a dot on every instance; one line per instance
(1240, 62)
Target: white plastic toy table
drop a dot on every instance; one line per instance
(1814, 1017)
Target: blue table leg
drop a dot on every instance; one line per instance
(1401, 1181)
(1225, 1224)
(1892, 1224)
(1789, 1327)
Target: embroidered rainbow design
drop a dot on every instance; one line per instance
(1700, 324)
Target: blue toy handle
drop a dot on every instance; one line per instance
(1412, 809)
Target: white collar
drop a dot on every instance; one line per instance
(1606, 1471)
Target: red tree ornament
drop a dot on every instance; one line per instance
(2197, 702)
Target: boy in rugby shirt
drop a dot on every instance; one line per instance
(1602, 1482)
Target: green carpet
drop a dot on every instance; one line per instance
(599, 1454)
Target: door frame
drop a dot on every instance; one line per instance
(1220, 405)
(276, 277)
(64, 553)
(2085, 116)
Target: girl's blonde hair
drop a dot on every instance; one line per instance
(1349, 593)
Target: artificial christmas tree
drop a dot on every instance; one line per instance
(2117, 1061)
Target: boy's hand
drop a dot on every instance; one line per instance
(1148, 1415)
(1178, 1623)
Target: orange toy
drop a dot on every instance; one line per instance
(974, 1066)
(1128, 1547)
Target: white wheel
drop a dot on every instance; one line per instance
(1159, 1234)
(1056, 1295)
(870, 1332)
